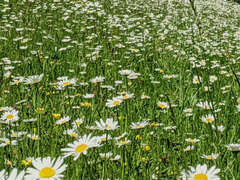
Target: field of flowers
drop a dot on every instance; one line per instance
(119, 90)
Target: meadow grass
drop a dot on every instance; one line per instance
(162, 74)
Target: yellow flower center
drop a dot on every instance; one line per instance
(14, 135)
(209, 120)
(7, 143)
(125, 97)
(212, 79)
(161, 105)
(17, 82)
(116, 103)
(187, 149)
(73, 135)
(78, 123)
(47, 172)
(200, 177)
(81, 148)
(191, 140)
(139, 126)
(123, 142)
(64, 121)
(66, 83)
(197, 80)
(9, 116)
(109, 127)
(210, 158)
(9, 162)
(34, 137)
(238, 101)
(103, 139)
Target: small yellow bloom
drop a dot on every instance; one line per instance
(143, 159)
(51, 62)
(161, 71)
(39, 110)
(40, 57)
(57, 116)
(40, 88)
(147, 148)
(130, 83)
(78, 95)
(120, 118)
(34, 129)
(138, 137)
(48, 93)
(54, 109)
(125, 164)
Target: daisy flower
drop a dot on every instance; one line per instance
(65, 82)
(104, 137)
(233, 147)
(201, 173)
(139, 125)
(97, 79)
(114, 102)
(106, 155)
(121, 136)
(126, 96)
(63, 120)
(189, 148)
(125, 72)
(77, 123)
(7, 142)
(71, 132)
(88, 96)
(163, 105)
(213, 78)
(33, 136)
(10, 116)
(109, 125)
(197, 80)
(116, 158)
(210, 157)
(33, 79)
(219, 128)
(144, 96)
(46, 169)
(206, 105)
(208, 119)
(192, 140)
(81, 146)
(13, 175)
(124, 142)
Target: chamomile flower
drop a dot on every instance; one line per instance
(210, 157)
(46, 168)
(233, 147)
(33, 79)
(208, 119)
(116, 158)
(6, 142)
(139, 125)
(88, 96)
(81, 146)
(189, 148)
(63, 120)
(10, 116)
(121, 136)
(77, 123)
(213, 78)
(13, 175)
(201, 173)
(33, 136)
(104, 137)
(106, 155)
(197, 80)
(124, 142)
(220, 128)
(125, 72)
(163, 105)
(108, 125)
(192, 140)
(71, 132)
(66, 82)
(206, 105)
(98, 79)
(114, 102)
